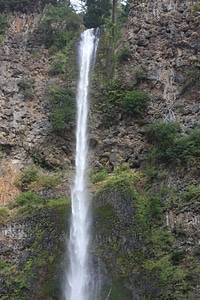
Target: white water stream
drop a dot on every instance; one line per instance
(78, 276)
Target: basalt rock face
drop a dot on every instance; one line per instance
(162, 39)
(163, 42)
(26, 135)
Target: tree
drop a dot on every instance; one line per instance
(96, 12)
(114, 12)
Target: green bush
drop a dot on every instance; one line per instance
(3, 214)
(27, 88)
(47, 181)
(26, 177)
(60, 25)
(28, 198)
(4, 265)
(124, 55)
(99, 176)
(177, 257)
(135, 102)
(63, 108)
(193, 79)
(163, 136)
(139, 75)
(3, 23)
(187, 146)
(192, 195)
(170, 146)
(58, 67)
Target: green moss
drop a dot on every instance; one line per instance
(154, 260)
(118, 291)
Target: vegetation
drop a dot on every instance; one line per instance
(27, 176)
(46, 181)
(28, 198)
(135, 102)
(27, 88)
(63, 107)
(59, 65)
(158, 267)
(189, 198)
(116, 98)
(195, 8)
(4, 213)
(60, 26)
(31, 178)
(170, 146)
(99, 176)
(44, 252)
(193, 79)
(97, 11)
(124, 55)
(3, 23)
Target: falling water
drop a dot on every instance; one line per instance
(78, 275)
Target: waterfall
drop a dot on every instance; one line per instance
(78, 276)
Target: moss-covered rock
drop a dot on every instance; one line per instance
(32, 255)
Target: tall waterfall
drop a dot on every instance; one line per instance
(78, 275)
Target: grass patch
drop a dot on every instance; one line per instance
(4, 214)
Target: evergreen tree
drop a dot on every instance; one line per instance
(96, 12)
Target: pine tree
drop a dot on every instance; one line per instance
(96, 12)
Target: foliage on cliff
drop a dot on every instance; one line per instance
(60, 26)
(138, 246)
(37, 273)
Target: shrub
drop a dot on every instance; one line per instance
(170, 145)
(192, 194)
(59, 25)
(47, 181)
(4, 265)
(99, 176)
(3, 214)
(193, 79)
(28, 176)
(187, 146)
(177, 257)
(27, 89)
(59, 65)
(163, 136)
(28, 198)
(3, 23)
(63, 107)
(135, 102)
(149, 213)
(1, 39)
(139, 75)
(124, 55)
